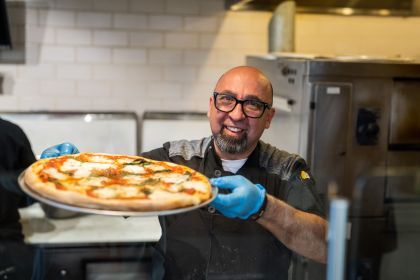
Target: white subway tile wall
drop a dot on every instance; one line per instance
(164, 54)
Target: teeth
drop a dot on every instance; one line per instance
(234, 129)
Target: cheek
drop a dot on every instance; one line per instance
(216, 120)
(256, 129)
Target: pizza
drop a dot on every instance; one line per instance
(117, 182)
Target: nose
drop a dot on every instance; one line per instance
(237, 113)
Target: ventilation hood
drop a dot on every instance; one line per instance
(346, 7)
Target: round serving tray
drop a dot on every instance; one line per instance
(64, 206)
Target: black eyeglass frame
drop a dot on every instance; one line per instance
(240, 101)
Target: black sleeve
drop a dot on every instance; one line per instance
(158, 154)
(302, 192)
(27, 156)
(16, 156)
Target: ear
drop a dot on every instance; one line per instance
(270, 114)
(210, 104)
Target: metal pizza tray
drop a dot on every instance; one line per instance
(73, 208)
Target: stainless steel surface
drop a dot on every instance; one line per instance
(405, 187)
(405, 115)
(281, 28)
(156, 115)
(64, 206)
(330, 134)
(364, 67)
(337, 7)
(351, 116)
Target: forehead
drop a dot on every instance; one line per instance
(244, 84)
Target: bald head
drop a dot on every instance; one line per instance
(248, 75)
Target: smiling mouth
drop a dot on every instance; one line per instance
(235, 130)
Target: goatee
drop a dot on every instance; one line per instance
(229, 144)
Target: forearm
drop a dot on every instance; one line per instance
(301, 232)
(8, 180)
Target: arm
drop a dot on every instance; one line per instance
(302, 232)
(18, 155)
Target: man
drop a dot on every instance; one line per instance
(15, 155)
(257, 223)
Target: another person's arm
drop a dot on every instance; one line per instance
(23, 156)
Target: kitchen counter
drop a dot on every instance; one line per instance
(86, 229)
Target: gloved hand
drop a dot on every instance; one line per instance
(244, 200)
(60, 150)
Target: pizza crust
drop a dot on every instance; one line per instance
(161, 198)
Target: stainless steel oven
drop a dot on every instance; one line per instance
(351, 116)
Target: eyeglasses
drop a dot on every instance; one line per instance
(251, 108)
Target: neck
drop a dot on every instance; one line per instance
(236, 156)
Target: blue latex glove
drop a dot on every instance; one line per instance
(60, 150)
(244, 200)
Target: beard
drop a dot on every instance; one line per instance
(229, 144)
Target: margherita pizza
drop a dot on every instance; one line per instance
(117, 182)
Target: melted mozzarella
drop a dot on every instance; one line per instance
(172, 178)
(125, 160)
(100, 159)
(85, 169)
(134, 179)
(155, 167)
(70, 164)
(197, 185)
(81, 173)
(175, 188)
(105, 192)
(129, 192)
(55, 174)
(93, 181)
(134, 169)
(96, 165)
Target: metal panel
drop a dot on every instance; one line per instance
(321, 6)
(370, 94)
(364, 67)
(329, 133)
(405, 115)
(406, 186)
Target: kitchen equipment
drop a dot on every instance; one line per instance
(349, 116)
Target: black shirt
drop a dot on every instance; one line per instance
(15, 155)
(203, 244)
